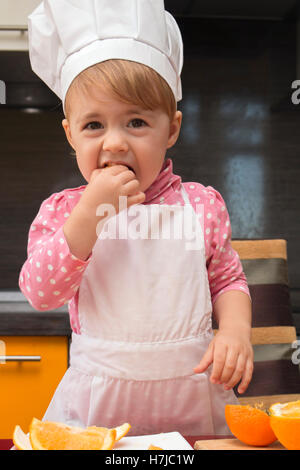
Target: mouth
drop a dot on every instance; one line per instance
(108, 164)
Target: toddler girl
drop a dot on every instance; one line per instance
(140, 299)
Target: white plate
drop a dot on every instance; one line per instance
(167, 441)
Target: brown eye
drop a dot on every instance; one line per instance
(93, 125)
(137, 123)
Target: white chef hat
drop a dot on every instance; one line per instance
(67, 36)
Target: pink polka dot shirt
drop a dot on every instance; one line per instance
(51, 275)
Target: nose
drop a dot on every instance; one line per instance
(115, 141)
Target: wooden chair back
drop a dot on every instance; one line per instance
(276, 376)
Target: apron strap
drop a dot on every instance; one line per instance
(184, 195)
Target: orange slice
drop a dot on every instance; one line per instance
(21, 440)
(47, 435)
(285, 422)
(250, 425)
(122, 430)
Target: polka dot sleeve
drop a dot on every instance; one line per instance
(51, 275)
(224, 268)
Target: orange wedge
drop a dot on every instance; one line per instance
(21, 440)
(122, 430)
(285, 422)
(153, 447)
(47, 435)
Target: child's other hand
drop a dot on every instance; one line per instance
(107, 184)
(232, 357)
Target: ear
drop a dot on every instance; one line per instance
(66, 126)
(175, 126)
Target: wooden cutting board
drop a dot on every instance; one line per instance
(232, 444)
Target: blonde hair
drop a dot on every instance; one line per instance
(130, 82)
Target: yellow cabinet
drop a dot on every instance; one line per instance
(31, 367)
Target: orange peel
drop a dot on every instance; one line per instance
(250, 425)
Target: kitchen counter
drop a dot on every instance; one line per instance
(19, 318)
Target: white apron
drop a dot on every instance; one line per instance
(145, 316)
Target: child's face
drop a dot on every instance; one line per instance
(102, 129)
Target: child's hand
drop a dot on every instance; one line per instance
(232, 357)
(105, 187)
(107, 184)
